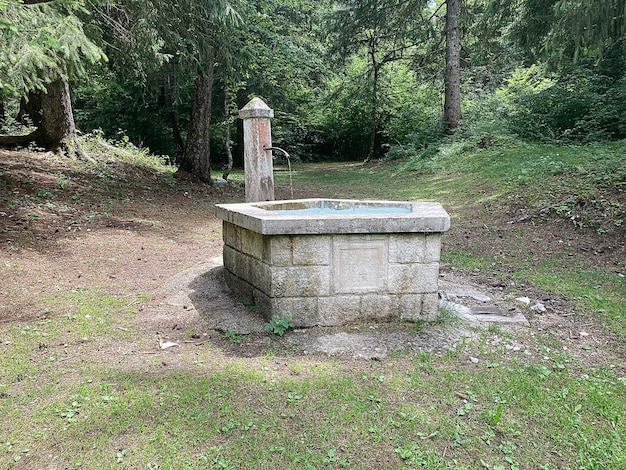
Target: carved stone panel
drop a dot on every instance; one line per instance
(359, 265)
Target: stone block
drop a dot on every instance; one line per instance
(263, 303)
(252, 243)
(432, 251)
(339, 309)
(232, 235)
(303, 310)
(258, 274)
(243, 266)
(407, 248)
(300, 281)
(413, 278)
(410, 307)
(277, 250)
(379, 307)
(234, 261)
(241, 289)
(430, 307)
(311, 250)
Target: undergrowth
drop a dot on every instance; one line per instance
(584, 184)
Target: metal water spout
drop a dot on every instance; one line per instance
(278, 149)
(284, 152)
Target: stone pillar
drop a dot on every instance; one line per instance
(257, 133)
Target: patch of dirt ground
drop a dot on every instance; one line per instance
(67, 225)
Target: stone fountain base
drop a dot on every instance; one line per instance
(332, 262)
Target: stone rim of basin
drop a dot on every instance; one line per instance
(285, 217)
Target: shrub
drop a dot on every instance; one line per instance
(581, 106)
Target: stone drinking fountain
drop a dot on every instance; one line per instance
(327, 262)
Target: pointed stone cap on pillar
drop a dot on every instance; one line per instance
(256, 108)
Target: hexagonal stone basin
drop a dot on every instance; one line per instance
(333, 261)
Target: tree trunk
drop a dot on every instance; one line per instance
(3, 114)
(452, 104)
(228, 143)
(56, 127)
(197, 156)
(59, 130)
(374, 103)
(170, 85)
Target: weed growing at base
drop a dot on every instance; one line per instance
(234, 337)
(278, 325)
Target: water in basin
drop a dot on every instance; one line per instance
(365, 210)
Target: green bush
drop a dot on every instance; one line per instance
(408, 113)
(119, 107)
(580, 107)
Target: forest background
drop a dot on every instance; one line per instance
(351, 80)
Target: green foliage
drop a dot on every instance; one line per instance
(495, 417)
(534, 105)
(376, 34)
(409, 107)
(408, 113)
(269, 49)
(40, 43)
(581, 106)
(343, 114)
(566, 30)
(386, 68)
(249, 304)
(278, 325)
(234, 337)
(561, 33)
(128, 33)
(112, 157)
(284, 63)
(573, 54)
(120, 107)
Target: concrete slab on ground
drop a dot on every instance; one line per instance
(201, 290)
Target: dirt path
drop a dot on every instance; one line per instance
(59, 236)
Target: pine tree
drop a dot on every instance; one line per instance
(42, 46)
